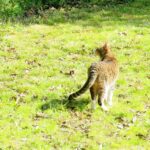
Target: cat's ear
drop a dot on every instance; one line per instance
(106, 47)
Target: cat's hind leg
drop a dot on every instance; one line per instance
(93, 97)
(101, 99)
(110, 95)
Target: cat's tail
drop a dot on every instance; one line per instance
(90, 81)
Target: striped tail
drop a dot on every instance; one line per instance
(90, 81)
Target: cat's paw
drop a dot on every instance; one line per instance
(104, 108)
(93, 105)
(110, 104)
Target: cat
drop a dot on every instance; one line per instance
(101, 80)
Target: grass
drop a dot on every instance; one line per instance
(37, 55)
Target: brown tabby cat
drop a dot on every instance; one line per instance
(101, 78)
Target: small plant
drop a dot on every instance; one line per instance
(13, 8)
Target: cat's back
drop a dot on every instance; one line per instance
(108, 70)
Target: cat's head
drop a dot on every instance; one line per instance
(102, 51)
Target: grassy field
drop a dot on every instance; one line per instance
(37, 56)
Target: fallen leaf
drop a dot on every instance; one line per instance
(52, 88)
(119, 119)
(12, 49)
(141, 136)
(70, 73)
(13, 74)
(122, 96)
(26, 71)
(134, 119)
(41, 115)
(127, 54)
(123, 33)
(148, 76)
(120, 126)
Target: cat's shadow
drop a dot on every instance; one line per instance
(60, 104)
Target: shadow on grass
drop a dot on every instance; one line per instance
(57, 104)
(126, 14)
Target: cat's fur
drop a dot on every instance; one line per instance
(101, 78)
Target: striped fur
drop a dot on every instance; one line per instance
(90, 81)
(101, 78)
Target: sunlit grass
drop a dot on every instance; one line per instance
(37, 56)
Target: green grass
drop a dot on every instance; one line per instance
(37, 55)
